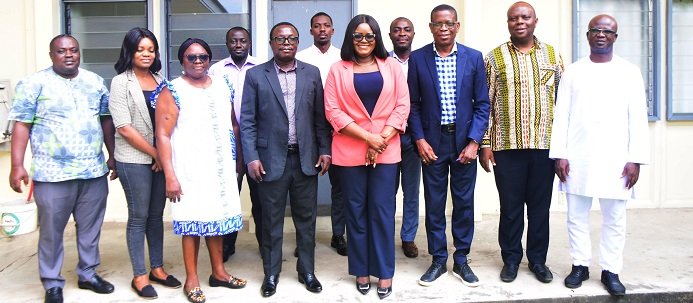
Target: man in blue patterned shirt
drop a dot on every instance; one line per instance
(63, 111)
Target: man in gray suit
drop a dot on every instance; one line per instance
(286, 143)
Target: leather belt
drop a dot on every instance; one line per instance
(448, 128)
(292, 148)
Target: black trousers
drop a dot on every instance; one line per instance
(524, 177)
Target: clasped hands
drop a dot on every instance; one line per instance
(377, 143)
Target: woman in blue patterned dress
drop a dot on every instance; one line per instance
(195, 134)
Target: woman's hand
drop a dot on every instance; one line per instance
(376, 142)
(371, 156)
(173, 190)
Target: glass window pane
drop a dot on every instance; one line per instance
(681, 79)
(205, 19)
(635, 35)
(99, 27)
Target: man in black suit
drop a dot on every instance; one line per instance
(286, 143)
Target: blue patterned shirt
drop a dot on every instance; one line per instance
(447, 77)
(66, 135)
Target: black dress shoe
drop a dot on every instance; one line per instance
(542, 272)
(269, 285)
(97, 285)
(227, 253)
(577, 275)
(509, 272)
(363, 288)
(384, 292)
(465, 273)
(54, 295)
(612, 283)
(147, 292)
(311, 282)
(340, 244)
(434, 272)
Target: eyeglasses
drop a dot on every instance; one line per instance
(358, 37)
(439, 25)
(282, 40)
(597, 31)
(193, 58)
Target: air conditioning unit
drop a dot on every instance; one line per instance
(5, 104)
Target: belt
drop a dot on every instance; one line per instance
(292, 148)
(448, 128)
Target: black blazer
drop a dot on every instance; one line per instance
(265, 124)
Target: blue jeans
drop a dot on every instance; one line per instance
(145, 192)
(410, 169)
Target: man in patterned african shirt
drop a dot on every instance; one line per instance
(523, 76)
(63, 111)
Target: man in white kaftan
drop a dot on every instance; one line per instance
(600, 139)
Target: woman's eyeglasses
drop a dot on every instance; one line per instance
(358, 37)
(193, 58)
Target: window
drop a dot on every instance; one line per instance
(680, 60)
(100, 26)
(637, 38)
(208, 20)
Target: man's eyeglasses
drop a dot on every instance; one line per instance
(597, 31)
(358, 37)
(193, 58)
(439, 25)
(282, 40)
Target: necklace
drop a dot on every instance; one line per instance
(365, 64)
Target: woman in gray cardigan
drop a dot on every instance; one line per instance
(139, 170)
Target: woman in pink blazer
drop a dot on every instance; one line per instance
(367, 103)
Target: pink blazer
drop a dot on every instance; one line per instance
(343, 106)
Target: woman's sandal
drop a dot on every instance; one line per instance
(196, 295)
(233, 282)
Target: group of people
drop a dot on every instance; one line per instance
(366, 116)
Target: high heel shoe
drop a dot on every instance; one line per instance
(384, 292)
(363, 288)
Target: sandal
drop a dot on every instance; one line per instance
(233, 282)
(196, 295)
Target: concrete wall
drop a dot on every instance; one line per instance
(30, 24)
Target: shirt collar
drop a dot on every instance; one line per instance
(454, 49)
(249, 61)
(279, 69)
(394, 55)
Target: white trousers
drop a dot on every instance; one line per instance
(613, 237)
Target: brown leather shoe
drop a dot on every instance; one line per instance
(410, 249)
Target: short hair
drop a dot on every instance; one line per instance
(129, 47)
(318, 14)
(190, 41)
(402, 19)
(237, 28)
(444, 7)
(50, 44)
(348, 49)
(282, 24)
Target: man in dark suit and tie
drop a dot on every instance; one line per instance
(286, 143)
(449, 115)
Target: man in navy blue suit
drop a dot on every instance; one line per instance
(449, 115)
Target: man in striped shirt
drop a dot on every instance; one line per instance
(523, 76)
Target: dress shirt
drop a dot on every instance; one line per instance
(287, 80)
(404, 64)
(66, 135)
(236, 74)
(446, 69)
(522, 90)
(323, 61)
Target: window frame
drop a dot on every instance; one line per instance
(656, 53)
(671, 115)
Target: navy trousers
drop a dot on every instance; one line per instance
(462, 181)
(369, 196)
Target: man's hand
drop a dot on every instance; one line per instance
(486, 156)
(111, 166)
(18, 175)
(469, 153)
(632, 172)
(255, 171)
(324, 161)
(562, 169)
(425, 151)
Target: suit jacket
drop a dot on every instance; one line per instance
(472, 106)
(265, 123)
(343, 106)
(127, 106)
